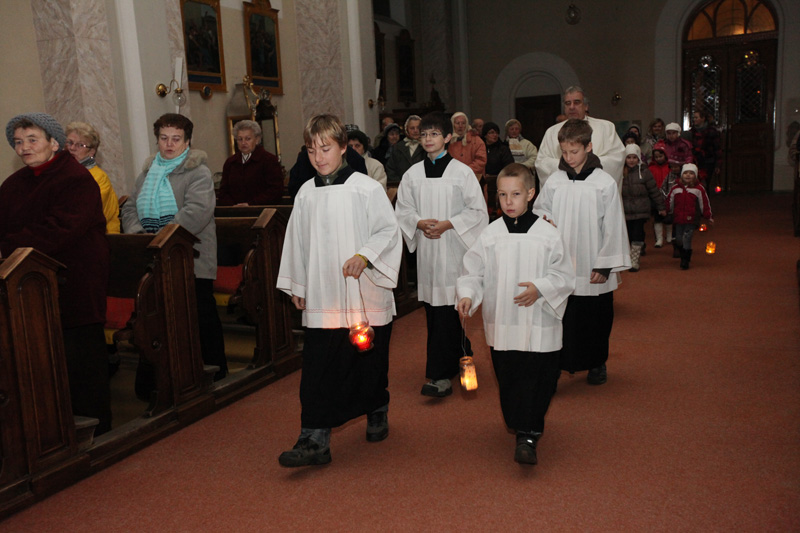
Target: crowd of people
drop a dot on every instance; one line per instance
(543, 268)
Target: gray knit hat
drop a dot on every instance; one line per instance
(44, 121)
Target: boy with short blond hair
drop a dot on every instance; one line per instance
(441, 211)
(584, 203)
(342, 225)
(521, 272)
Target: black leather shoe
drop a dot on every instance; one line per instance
(377, 426)
(305, 452)
(597, 376)
(525, 452)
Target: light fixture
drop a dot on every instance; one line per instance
(573, 15)
(178, 98)
(616, 99)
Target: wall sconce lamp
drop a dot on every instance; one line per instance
(178, 98)
(616, 98)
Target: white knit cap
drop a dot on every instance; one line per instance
(672, 126)
(633, 149)
(690, 167)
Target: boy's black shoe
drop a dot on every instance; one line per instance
(597, 376)
(305, 452)
(525, 453)
(437, 388)
(377, 426)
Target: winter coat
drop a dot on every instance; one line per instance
(498, 156)
(680, 150)
(659, 172)
(194, 194)
(688, 204)
(639, 191)
(706, 146)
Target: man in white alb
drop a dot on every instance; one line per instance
(606, 144)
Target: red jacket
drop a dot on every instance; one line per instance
(688, 204)
(659, 172)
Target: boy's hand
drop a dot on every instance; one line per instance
(597, 277)
(464, 306)
(354, 266)
(549, 220)
(299, 303)
(426, 225)
(527, 297)
(439, 228)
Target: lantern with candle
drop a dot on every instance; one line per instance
(362, 335)
(469, 378)
(718, 189)
(703, 227)
(711, 247)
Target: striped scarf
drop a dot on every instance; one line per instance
(156, 201)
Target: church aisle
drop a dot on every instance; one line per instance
(696, 429)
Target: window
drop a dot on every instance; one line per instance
(724, 18)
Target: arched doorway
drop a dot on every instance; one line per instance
(729, 69)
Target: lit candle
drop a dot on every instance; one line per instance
(361, 336)
(711, 247)
(703, 227)
(469, 378)
(718, 188)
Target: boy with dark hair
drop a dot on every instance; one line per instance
(342, 225)
(441, 212)
(521, 272)
(584, 203)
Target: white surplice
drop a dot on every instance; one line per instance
(590, 217)
(606, 145)
(327, 227)
(457, 197)
(493, 269)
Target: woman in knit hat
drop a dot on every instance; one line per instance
(53, 204)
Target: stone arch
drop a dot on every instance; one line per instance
(530, 71)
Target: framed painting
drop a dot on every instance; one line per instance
(406, 81)
(262, 45)
(202, 37)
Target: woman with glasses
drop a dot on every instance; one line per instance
(83, 142)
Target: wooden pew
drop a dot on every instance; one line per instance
(261, 241)
(42, 446)
(158, 272)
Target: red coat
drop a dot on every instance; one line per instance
(659, 172)
(473, 154)
(688, 204)
(257, 182)
(59, 212)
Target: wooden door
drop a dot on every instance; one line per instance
(536, 114)
(735, 82)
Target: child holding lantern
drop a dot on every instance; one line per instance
(521, 272)
(688, 202)
(441, 212)
(342, 226)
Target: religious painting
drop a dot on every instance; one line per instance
(202, 36)
(262, 45)
(406, 79)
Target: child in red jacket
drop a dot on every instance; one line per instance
(688, 202)
(659, 168)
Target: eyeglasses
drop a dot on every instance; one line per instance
(70, 144)
(431, 134)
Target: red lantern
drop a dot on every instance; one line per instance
(362, 335)
(703, 227)
(718, 188)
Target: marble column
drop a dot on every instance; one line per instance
(319, 44)
(75, 61)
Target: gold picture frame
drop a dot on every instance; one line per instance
(262, 45)
(202, 38)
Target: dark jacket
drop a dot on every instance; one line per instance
(498, 156)
(59, 212)
(259, 181)
(303, 170)
(399, 161)
(639, 192)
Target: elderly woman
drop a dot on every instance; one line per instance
(466, 146)
(522, 149)
(252, 176)
(175, 186)
(53, 204)
(358, 141)
(83, 142)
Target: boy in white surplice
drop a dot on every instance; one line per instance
(441, 211)
(342, 226)
(585, 204)
(521, 273)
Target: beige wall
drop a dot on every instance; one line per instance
(21, 80)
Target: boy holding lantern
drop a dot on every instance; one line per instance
(342, 226)
(688, 202)
(441, 212)
(521, 272)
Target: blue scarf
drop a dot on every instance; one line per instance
(156, 201)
